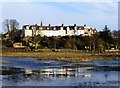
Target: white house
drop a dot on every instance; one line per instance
(49, 31)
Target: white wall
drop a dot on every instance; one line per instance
(62, 32)
(50, 33)
(80, 32)
(27, 33)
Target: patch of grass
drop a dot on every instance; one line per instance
(64, 56)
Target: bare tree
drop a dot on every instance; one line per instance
(6, 25)
(13, 24)
(9, 25)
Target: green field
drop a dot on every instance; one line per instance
(65, 56)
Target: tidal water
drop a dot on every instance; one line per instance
(34, 72)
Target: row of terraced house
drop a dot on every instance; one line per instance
(49, 31)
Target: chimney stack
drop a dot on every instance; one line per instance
(84, 25)
(49, 25)
(74, 25)
(62, 25)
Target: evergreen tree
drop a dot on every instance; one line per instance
(105, 35)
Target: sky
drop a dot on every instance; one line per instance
(93, 13)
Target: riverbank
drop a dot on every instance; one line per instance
(65, 56)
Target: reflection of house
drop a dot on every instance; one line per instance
(28, 71)
(32, 30)
(65, 71)
(86, 75)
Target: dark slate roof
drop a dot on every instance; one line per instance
(52, 27)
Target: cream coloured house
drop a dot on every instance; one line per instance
(49, 31)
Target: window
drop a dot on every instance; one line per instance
(47, 27)
(54, 28)
(41, 28)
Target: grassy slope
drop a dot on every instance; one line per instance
(64, 56)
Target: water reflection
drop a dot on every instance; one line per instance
(52, 73)
(63, 71)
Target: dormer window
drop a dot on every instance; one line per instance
(88, 29)
(27, 27)
(68, 28)
(41, 28)
(32, 27)
(75, 28)
(54, 28)
(48, 28)
(61, 28)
